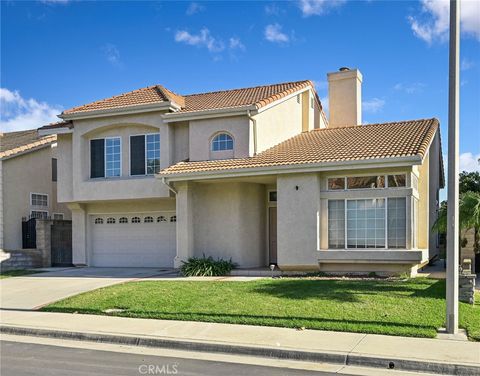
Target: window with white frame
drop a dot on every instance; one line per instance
(145, 154)
(39, 214)
(99, 221)
(221, 142)
(148, 219)
(397, 222)
(111, 221)
(367, 182)
(161, 219)
(123, 220)
(373, 223)
(38, 199)
(336, 224)
(113, 157)
(136, 220)
(366, 223)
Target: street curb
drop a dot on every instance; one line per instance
(279, 353)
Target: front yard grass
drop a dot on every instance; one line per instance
(17, 273)
(413, 307)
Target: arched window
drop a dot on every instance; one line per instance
(110, 220)
(123, 220)
(161, 219)
(222, 141)
(136, 220)
(173, 218)
(98, 221)
(148, 220)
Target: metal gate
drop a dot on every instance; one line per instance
(29, 233)
(61, 242)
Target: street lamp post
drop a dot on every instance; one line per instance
(453, 184)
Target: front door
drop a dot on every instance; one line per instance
(272, 234)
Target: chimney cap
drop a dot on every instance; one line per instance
(344, 69)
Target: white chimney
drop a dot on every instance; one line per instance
(345, 97)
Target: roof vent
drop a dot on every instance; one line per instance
(344, 69)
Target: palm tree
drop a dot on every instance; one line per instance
(469, 210)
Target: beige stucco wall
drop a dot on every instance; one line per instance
(345, 98)
(423, 204)
(22, 175)
(181, 141)
(201, 133)
(64, 168)
(280, 122)
(229, 222)
(433, 193)
(298, 212)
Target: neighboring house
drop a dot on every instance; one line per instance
(258, 175)
(28, 174)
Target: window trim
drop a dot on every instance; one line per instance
(104, 157)
(215, 135)
(386, 224)
(145, 144)
(41, 211)
(40, 194)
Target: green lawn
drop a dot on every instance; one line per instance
(414, 307)
(16, 273)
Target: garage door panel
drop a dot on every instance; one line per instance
(133, 244)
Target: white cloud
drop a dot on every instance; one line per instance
(410, 88)
(466, 64)
(318, 7)
(433, 21)
(18, 113)
(194, 8)
(273, 33)
(373, 105)
(469, 162)
(236, 44)
(202, 39)
(112, 54)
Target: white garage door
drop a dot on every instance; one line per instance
(133, 240)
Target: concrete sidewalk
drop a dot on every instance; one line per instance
(402, 353)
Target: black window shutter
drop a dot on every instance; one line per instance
(54, 169)
(137, 155)
(97, 158)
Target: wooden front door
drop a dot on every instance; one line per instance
(272, 234)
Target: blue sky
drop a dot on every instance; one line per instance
(59, 54)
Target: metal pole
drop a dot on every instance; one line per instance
(453, 180)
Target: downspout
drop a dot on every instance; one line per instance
(254, 122)
(170, 187)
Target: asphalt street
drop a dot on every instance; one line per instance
(25, 359)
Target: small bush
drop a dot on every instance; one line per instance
(206, 267)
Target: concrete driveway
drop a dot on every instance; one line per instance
(36, 290)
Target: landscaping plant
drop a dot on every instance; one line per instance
(206, 267)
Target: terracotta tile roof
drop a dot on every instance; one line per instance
(374, 141)
(258, 96)
(12, 143)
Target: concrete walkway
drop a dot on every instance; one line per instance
(416, 354)
(35, 290)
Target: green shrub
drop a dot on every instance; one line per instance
(206, 266)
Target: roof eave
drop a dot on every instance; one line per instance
(205, 114)
(295, 168)
(52, 131)
(120, 111)
(23, 152)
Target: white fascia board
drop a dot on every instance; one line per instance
(52, 131)
(120, 111)
(207, 114)
(295, 169)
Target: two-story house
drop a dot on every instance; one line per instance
(258, 175)
(28, 183)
